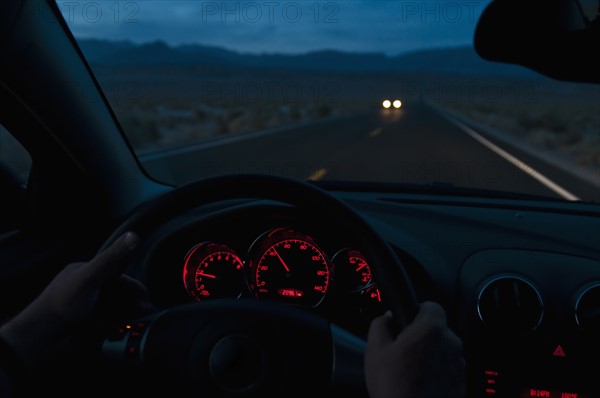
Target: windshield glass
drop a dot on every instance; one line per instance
(354, 91)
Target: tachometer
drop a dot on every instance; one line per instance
(351, 270)
(213, 271)
(289, 267)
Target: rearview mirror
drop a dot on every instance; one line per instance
(558, 38)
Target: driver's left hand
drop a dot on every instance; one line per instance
(80, 292)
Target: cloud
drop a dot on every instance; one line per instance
(388, 26)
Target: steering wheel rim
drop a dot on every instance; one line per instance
(389, 272)
(387, 269)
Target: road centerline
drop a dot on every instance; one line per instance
(318, 174)
(375, 132)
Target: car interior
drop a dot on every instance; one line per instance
(262, 283)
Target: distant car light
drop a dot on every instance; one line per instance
(397, 104)
(387, 104)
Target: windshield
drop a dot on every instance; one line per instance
(353, 91)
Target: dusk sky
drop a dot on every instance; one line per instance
(387, 26)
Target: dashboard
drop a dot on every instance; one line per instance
(520, 284)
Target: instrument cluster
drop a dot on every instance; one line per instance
(282, 265)
(264, 252)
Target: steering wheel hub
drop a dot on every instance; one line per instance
(237, 363)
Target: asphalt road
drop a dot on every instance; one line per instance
(415, 144)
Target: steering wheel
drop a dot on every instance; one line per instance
(250, 347)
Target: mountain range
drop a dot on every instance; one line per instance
(451, 60)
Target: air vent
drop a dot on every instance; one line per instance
(587, 310)
(510, 305)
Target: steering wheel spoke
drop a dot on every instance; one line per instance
(241, 347)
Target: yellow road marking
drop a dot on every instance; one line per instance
(317, 175)
(375, 132)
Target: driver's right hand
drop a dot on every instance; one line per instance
(424, 360)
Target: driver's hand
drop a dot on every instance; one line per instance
(424, 360)
(72, 297)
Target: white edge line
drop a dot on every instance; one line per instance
(524, 167)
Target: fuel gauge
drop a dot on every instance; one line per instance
(371, 303)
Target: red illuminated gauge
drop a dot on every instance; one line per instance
(351, 270)
(213, 271)
(371, 303)
(288, 267)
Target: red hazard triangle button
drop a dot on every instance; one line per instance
(558, 351)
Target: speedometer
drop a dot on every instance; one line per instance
(289, 267)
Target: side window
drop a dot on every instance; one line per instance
(15, 164)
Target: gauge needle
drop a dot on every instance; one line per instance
(201, 273)
(363, 265)
(282, 262)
